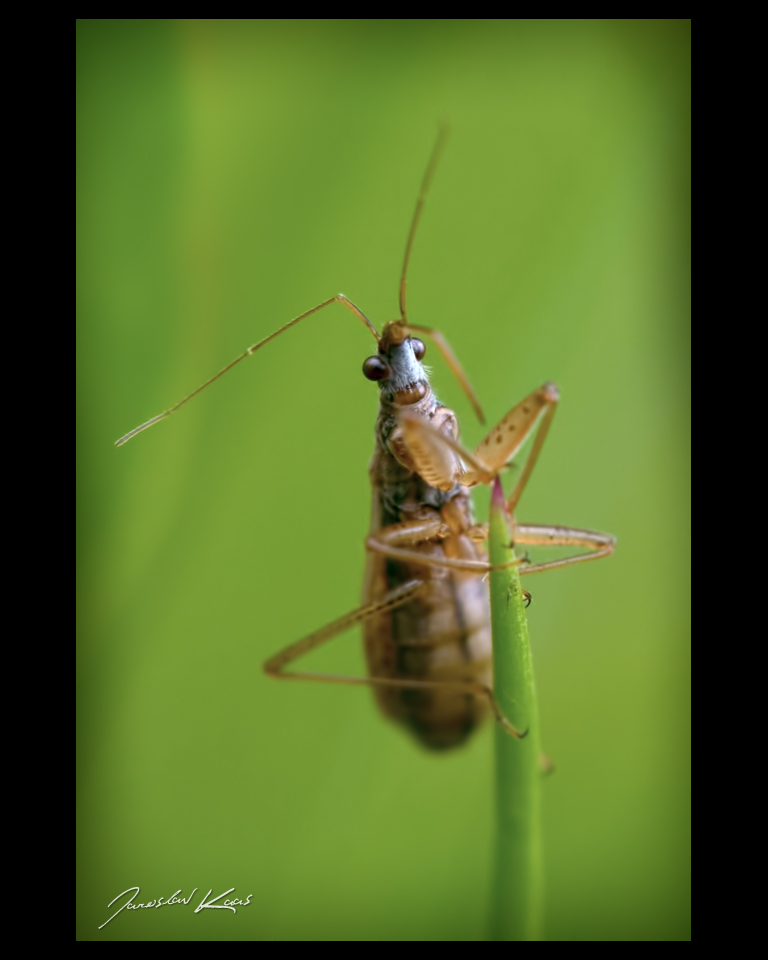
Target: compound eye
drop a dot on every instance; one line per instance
(374, 368)
(418, 348)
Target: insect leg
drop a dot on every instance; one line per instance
(546, 535)
(433, 451)
(510, 433)
(274, 667)
(598, 544)
(394, 542)
(478, 531)
(437, 455)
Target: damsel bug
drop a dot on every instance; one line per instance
(425, 612)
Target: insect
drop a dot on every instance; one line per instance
(425, 612)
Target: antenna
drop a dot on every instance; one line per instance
(437, 150)
(340, 298)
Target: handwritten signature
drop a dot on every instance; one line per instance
(205, 903)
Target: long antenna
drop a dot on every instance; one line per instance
(340, 298)
(437, 150)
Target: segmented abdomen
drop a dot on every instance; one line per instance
(443, 634)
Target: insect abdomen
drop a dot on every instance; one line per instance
(442, 635)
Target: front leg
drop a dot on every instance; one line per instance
(432, 448)
(511, 432)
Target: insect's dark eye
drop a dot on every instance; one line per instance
(418, 348)
(374, 368)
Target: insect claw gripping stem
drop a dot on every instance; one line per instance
(508, 728)
(505, 724)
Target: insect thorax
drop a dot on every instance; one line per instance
(403, 492)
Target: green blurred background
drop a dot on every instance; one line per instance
(231, 174)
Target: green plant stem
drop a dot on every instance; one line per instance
(517, 904)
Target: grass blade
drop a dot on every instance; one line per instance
(517, 896)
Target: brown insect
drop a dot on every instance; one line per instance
(426, 612)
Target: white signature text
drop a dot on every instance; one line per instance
(207, 903)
